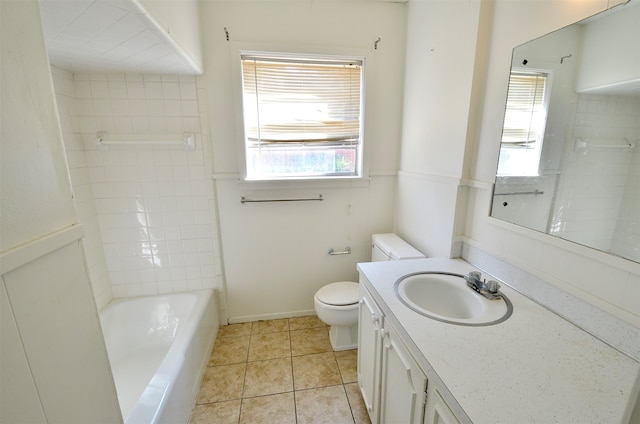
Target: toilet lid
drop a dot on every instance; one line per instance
(339, 294)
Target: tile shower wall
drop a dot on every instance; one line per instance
(626, 239)
(592, 189)
(84, 199)
(155, 203)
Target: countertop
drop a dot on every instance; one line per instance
(533, 367)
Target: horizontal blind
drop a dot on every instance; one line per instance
(525, 113)
(301, 101)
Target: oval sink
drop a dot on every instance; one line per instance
(446, 297)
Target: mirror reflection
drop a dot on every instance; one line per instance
(569, 162)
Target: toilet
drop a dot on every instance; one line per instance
(336, 304)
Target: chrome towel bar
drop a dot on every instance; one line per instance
(521, 193)
(245, 200)
(104, 140)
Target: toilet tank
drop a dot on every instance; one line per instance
(390, 247)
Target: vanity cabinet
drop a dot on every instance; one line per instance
(392, 383)
(402, 382)
(437, 411)
(369, 352)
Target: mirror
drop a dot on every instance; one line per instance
(569, 162)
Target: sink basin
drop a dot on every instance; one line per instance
(446, 297)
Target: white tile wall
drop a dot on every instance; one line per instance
(154, 203)
(67, 94)
(626, 238)
(595, 183)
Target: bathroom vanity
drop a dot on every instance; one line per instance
(533, 367)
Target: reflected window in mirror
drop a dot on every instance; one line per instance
(524, 122)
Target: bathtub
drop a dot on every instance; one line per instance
(158, 348)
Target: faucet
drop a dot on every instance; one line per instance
(488, 289)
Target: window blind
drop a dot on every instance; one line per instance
(301, 101)
(525, 113)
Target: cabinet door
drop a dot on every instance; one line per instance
(403, 383)
(437, 411)
(369, 350)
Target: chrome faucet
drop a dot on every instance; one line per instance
(489, 289)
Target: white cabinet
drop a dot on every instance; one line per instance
(392, 383)
(437, 411)
(369, 352)
(403, 384)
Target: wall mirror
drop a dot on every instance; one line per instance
(569, 162)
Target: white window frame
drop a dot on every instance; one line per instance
(529, 153)
(314, 52)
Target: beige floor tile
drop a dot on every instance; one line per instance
(317, 370)
(222, 383)
(252, 374)
(348, 364)
(229, 350)
(220, 413)
(268, 377)
(271, 326)
(279, 408)
(269, 346)
(323, 405)
(302, 323)
(313, 340)
(358, 408)
(232, 330)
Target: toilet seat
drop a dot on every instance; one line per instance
(342, 293)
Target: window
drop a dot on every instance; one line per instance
(302, 116)
(524, 123)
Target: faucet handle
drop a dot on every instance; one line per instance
(475, 275)
(492, 286)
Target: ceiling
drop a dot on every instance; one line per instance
(108, 36)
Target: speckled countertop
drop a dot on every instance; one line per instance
(534, 367)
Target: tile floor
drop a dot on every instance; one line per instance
(279, 371)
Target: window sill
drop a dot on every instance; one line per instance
(342, 182)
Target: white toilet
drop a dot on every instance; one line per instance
(337, 303)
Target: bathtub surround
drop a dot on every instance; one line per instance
(150, 208)
(84, 198)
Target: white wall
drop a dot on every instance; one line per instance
(604, 281)
(275, 254)
(31, 154)
(442, 43)
(53, 363)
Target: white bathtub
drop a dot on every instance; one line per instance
(158, 348)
